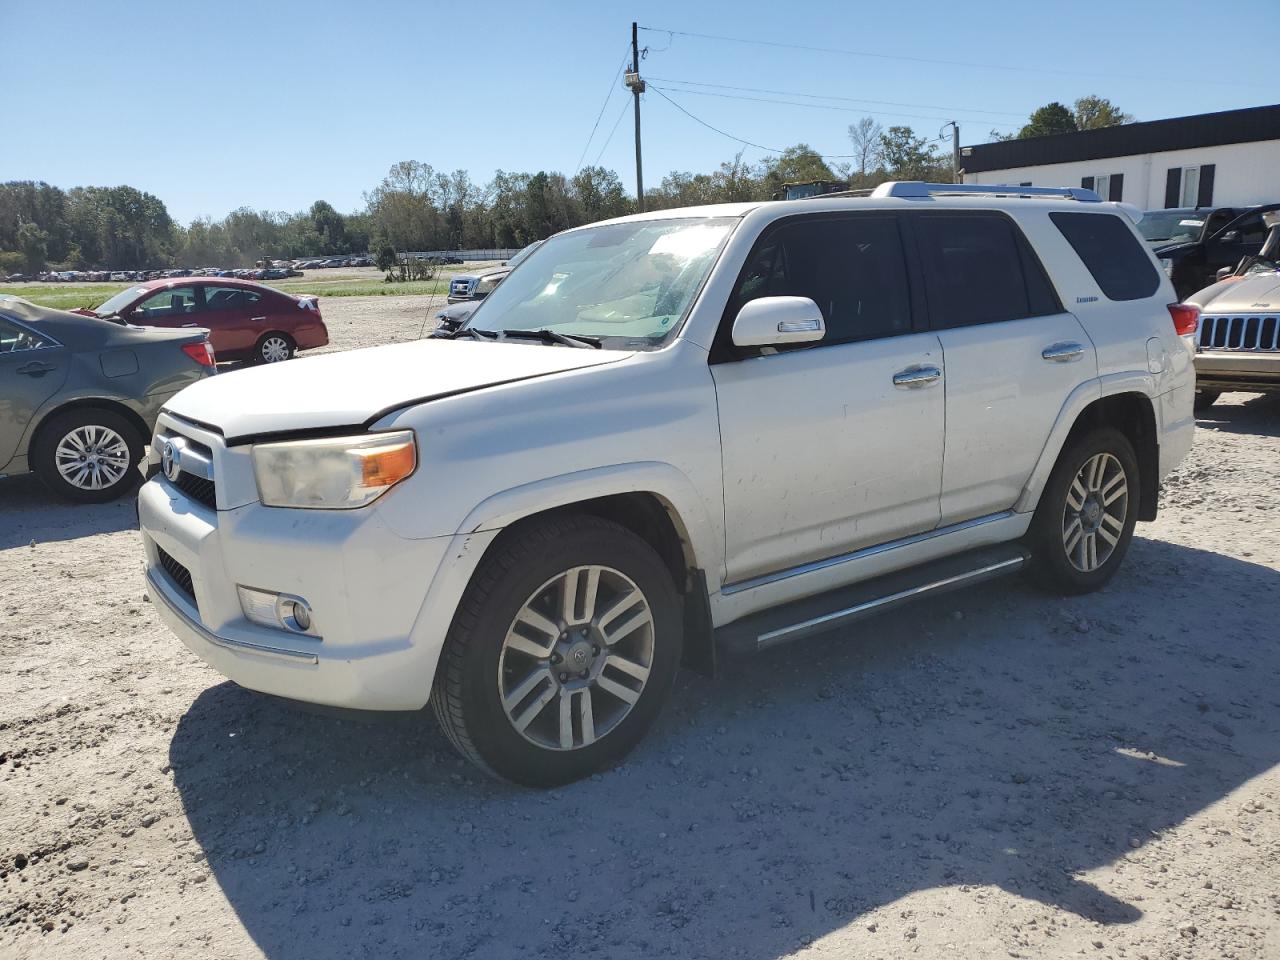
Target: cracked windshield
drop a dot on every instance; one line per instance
(626, 284)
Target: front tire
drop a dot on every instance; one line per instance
(1206, 399)
(562, 652)
(88, 455)
(1086, 515)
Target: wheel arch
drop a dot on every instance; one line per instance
(87, 403)
(1127, 406)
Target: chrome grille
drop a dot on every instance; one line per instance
(179, 574)
(195, 477)
(1257, 333)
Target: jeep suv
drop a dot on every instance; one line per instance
(670, 435)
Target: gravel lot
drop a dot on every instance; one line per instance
(996, 774)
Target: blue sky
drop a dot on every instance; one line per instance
(274, 104)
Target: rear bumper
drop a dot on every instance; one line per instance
(312, 335)
(1237, 370)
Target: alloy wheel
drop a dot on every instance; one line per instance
(92, 457)
(576, 658)
(1093, 517)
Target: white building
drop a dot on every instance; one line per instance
(1228, 159)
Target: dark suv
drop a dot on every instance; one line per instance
(1194, 255)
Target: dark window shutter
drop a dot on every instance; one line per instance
(1117, 186)
(1172, 184)
(1086, 182)
(1205, 196)
(1025, 183)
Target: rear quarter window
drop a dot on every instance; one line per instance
(1112, 254)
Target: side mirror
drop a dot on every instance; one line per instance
(776, 321)
(1223, 273)
(1231, 236)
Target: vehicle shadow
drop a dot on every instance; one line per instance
(998, 738)
(1258, 415)
(30, 511)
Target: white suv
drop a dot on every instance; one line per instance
(721, 426)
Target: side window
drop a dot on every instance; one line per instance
(852, 267)
(1106, 245)
(230, 298)
(16, 339)
(163, 304)
(979, 268)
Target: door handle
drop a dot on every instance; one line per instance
(36, 368)
(257, 319)
(913, 378)
(1065, 352)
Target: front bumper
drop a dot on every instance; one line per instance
(1237, 370)
(382, 603)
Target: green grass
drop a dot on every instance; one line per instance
(68, 296)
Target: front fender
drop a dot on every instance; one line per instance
(660, 479)
(1129, 381)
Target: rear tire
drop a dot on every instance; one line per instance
(562, 652)
(88, 455)
(1086, 515)
(274, 347)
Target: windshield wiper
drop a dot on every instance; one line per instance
(472, 332)
(551, 336)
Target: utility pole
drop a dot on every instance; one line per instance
(955, 152)
(636, 86)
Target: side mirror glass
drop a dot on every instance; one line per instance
(776, 321)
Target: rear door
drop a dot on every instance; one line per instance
(32, 369)
(1012, 353)
(235, 317)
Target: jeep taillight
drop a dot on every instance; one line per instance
(201, 353)
(1185, 317)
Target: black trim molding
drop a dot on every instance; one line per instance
(1156, 136)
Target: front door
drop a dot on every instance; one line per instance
(823, 452)
(167, 307)
(32, 369)
(1013, 356)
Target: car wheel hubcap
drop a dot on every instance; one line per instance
(1093, 519)
(274, 349)
(92, 457)
(576, 658)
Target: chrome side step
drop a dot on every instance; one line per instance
(813, 615)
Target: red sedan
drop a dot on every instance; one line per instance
(246, 321)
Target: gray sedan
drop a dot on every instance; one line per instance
(79, 396)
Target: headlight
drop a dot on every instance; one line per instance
(1167, 266)
(333, 474)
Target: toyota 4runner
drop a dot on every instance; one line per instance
(671, 434)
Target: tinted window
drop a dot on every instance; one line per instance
(230, 298)
(979, 269)
(851, 267)
(174, 302)
(1106, 245)
(14, 339)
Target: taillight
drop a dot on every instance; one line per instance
(201, 353)
(1185, 317)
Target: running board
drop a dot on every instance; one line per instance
(826, 611)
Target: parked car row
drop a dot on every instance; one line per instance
(278, 270)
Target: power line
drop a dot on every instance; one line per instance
(825, 106)
(931, 60)
(749, 143)
(613, 84)
(609, 139)
(823, 96)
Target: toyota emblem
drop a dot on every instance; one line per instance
(169, 461)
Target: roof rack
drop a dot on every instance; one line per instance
(918, 190)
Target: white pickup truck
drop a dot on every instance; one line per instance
(727, 426)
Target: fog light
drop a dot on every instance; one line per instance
(279, 611)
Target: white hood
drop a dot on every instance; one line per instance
(357, 386)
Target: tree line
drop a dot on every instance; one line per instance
(416, 207)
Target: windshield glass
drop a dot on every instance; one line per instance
(523, 254)
(1174, 226)
(119, 301)
(628, 284)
